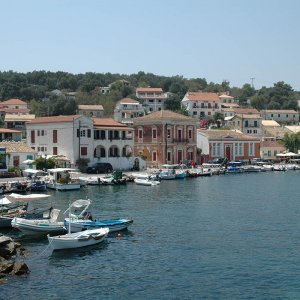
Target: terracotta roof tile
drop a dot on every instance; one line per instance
(6, 130)
(108, 122)
(149, 90)
(129, 101)
(13, 102)
(214, 134)
(164, 115)
(13, 147)
(272, 144)
(202, 96)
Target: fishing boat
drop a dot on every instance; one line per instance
(8, 211)
(146, 181)
(78, 239)
(39, 226)
(113, 224)
(83, 220)
(60, 179)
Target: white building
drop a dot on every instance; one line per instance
(127, 109)
(153, 98)
(281, 115)
(14, 154)
(91, 110)
(78, 137)
(201, 105)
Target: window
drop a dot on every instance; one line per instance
(179, 134)
(214, 149)
(140, 132)
(194, 113)
(269, 153)
(168, 133)
(38, 133)
(154, 156)
(209, 113)
(83, 151)
(89, 133)
(16, 161)
(154, 133)
(77, 132)
(32, 135)
(82, 133)
(218, 149)
(55, 136)
(251, 149)
(240, 149)
(278, 115)
(54, 151)
(190, 134)
(255, 131)
(246, 124)
(169, 156)
(255, 123)
(42, 132)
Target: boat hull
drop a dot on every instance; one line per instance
(63, 187)
(113, 225)
(78, 240)
(31, 227)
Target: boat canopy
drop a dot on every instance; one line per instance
(79, 204)
(4, 201)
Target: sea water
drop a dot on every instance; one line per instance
(220, 237)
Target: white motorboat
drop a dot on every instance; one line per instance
(39, 226)
(14, 197)
(146, 181)
(60, 180)
(78, 239)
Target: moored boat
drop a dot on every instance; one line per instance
(78, 239)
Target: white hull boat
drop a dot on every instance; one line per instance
(146, 182)
(63, 186)
(32, 227)
(78, 239)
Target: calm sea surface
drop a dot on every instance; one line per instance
(220, 237)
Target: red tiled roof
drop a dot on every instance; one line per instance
(55, 119)
(6, 130)
(199, 96)
(107, 122)
(129, 100)
(164, 115)
(246, 111)
(218, 135)
(13, 102)
(149, 89)
(272, 144)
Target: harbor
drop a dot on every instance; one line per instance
(217, 242)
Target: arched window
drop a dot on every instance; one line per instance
(114, 151)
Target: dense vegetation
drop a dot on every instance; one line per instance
(34, 87)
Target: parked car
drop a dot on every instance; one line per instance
(100, 168)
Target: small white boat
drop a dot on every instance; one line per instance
(78, 239)
(146, 181)
(25, 198)
(39, 226)
(60, 179)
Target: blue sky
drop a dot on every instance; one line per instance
(233, 40)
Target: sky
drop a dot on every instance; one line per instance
(233, 40)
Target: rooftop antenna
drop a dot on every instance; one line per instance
(252, 79)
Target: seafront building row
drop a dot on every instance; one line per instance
(137, 138)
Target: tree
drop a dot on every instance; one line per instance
(43, 163)
(292, 141)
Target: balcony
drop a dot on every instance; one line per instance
(180, 141)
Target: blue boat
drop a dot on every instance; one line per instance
(234, 167)
(113, 224)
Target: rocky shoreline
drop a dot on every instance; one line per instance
(10, 251)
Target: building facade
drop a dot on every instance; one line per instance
(91, 110)
(281, 116)
(153, 99)
(127, 109)
(229, 144)
(246, 123)
(165, 137)
(78, 137)
(201, 105)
